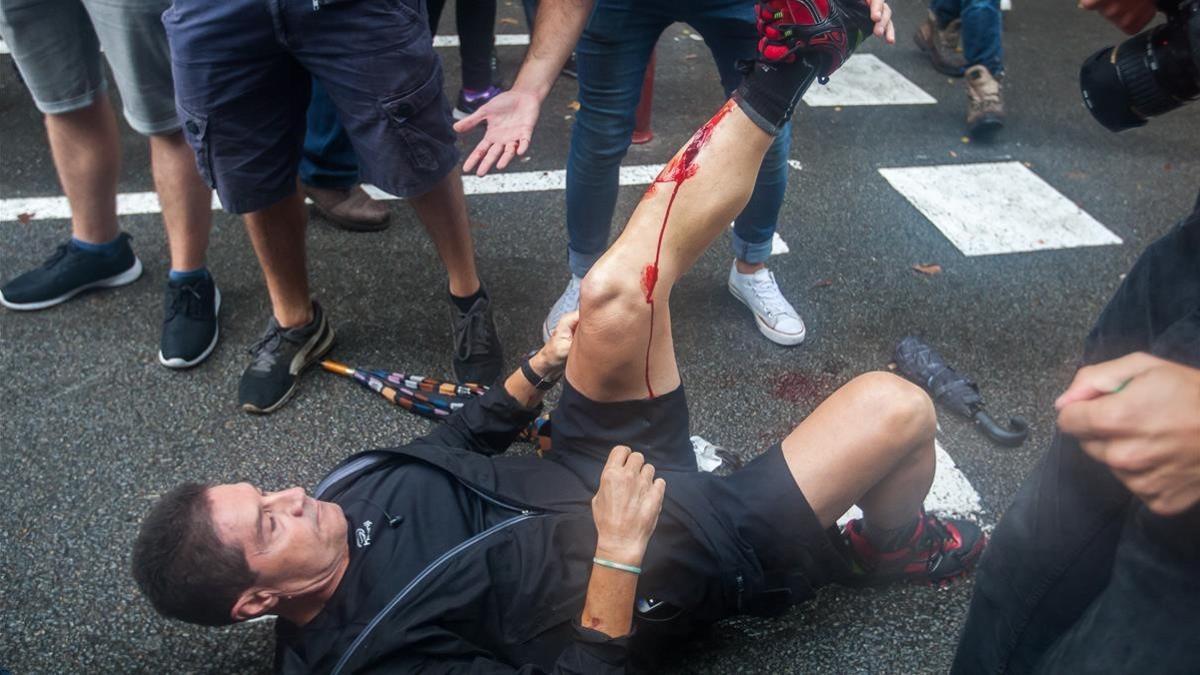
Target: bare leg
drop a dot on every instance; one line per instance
(622, 348)
(871, 444)
(277, 233)
(87, 155)
(443, 212)
(186, 200)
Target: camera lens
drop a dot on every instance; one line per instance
(1149, 74)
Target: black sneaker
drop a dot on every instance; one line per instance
(467, 105)
(939, 552)
(190, 329)
(71, 271)
(280, 356)
(478, 356)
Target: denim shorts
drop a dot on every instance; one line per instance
(56, 45)
(242, 79)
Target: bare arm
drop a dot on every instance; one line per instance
(511, 116)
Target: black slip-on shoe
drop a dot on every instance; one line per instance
(69, 272)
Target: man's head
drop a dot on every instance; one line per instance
(218, 554)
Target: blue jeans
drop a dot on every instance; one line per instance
(980, 30)
(328, 160)
(1080, 576)
(612, 56)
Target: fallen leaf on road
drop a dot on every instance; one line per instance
(24, 218)
(1077, 175)
(573, 105)
(822, 283)
(1167, 166)
(510, 22)
(928, 269)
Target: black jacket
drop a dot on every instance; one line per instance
(506, 599)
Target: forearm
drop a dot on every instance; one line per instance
(609, 604)
(555, 32)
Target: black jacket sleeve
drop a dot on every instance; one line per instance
(591, 653)
(487, 424)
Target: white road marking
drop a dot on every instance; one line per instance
(128, 204)
(951, 493)
(998, 207)
(438, 41)
(865, 80)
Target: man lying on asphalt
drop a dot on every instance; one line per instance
(445, 555)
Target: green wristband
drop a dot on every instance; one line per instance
(617, 566)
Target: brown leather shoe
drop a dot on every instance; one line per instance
(985, 104)
(943, 45)
(351, 209)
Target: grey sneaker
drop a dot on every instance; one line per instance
(567, 302)
(280, 356)
(985, 103)
(943, 45)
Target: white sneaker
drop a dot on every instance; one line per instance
(567, 302)
(775, 316)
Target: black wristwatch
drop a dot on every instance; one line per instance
(540, 383)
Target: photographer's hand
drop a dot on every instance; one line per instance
(1140, 415)
(1129, 15)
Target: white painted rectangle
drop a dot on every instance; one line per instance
(997, 207)
(865, 80)
(950, 495)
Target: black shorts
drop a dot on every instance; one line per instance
(744, 543)
(242, 70)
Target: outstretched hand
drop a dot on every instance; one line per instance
(626, 506)
(510, 118)
(1138, 415)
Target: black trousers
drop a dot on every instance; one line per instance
(1080, 575)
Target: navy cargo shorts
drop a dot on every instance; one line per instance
(242, 79)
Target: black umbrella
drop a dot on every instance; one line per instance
(920, 363)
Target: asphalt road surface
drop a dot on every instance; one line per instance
(92, 428)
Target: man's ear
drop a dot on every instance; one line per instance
(253, 602)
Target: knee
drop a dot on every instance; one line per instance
(607, 295)
(900, 407)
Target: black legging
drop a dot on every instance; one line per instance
(476, 23)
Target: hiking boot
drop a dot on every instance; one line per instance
(70, 271)
(985, 105)
(189, 331)
(351, 209)
(938, 552)
(827, 30)
(567, 302)
(280, 356)
(775, 316)
(469, 102)
(478, 356)
(942, 45)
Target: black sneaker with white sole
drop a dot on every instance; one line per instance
(69, 272)
(190, 330)
(280, 356)
(478, 356)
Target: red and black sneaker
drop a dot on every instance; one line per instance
(938, 553)
(829, 30)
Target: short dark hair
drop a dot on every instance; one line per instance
(181, 565)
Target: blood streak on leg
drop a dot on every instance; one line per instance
(681, 167)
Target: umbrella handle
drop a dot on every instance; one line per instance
(1010, 438)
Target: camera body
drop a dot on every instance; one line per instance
(1151, 73)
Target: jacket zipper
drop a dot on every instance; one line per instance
(442, 559)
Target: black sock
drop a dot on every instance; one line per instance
(769, 91)
(892, 539)
(464, 304)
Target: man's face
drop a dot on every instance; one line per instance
(292, 542)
